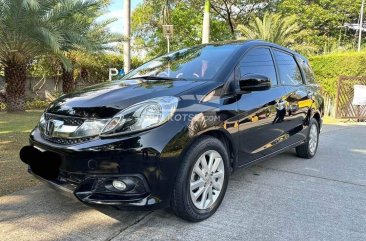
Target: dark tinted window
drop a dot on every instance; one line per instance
(259, 61)
(289, 70)
(308, 72)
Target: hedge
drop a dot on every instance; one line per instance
(329, 67)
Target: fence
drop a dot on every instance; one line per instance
(345, 94)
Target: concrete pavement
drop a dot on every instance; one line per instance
(284, 198)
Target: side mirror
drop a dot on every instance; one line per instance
(255, 82)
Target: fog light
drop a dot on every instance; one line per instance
(119, 185)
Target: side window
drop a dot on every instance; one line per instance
(259, 61)
(289, 70)
(309, 74)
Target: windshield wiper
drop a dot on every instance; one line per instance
(148, 77)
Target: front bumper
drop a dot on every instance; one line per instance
(87, 192)
(87, 170)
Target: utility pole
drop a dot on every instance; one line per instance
(361, 26)
(127, 35)
(168, 31)
(168, 42)
(206, 23)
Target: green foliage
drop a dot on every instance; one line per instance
(89, 67)
(32, 28)
(45, 65)
(273, 28)
(278, 29)
(187, 18)
(2, 106)
(234, 12)
(323, 20)
(29, 28)
(328, 68)
(94, 67)
(36, 104)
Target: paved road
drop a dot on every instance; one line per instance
(285, 198)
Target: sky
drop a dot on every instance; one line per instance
(116, 11)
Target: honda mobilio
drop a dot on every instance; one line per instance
(171, 132)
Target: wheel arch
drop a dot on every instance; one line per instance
(225, 138)
(317, 117)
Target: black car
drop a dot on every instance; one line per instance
(171, 132)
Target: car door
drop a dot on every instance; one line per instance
(298, 96)
(259, 111)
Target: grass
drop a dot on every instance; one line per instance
(14, 133)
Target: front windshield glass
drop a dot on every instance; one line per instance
(200, 63)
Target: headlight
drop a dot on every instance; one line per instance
(42, 122)
(139, 117)
(142, 116)
(89, 128)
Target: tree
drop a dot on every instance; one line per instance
(323, 20)
(29, 28)
(147, 21)
(93, 37)
(234, 12)
(273, 28)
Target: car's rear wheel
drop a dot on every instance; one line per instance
(309, 148)
(201, 183)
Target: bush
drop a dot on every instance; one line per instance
(2, 106)
(91, 68)
(30, 105)
(36, 104)
(329, 67)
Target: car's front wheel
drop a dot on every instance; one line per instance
(201, 183)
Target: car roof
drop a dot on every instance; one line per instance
(252, 43)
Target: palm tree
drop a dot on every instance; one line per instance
(273, 28)
(166, 11)
(93, 36)
(206, 23)
(30, 28)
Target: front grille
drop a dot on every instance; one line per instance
(70, 121)
(65, 141)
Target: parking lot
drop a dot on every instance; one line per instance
(284, 198)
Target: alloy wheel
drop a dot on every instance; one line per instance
(313, 139)
(207, 179)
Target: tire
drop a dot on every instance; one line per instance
(184, 202)
(309, 148)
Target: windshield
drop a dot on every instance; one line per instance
(200, 63)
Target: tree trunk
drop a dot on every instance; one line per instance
(206, 23)
(127, 35)
(68, 84)
(15, 78)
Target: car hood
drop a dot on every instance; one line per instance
(105, 100)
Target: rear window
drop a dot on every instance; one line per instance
(308, 72)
